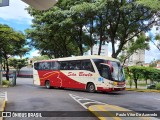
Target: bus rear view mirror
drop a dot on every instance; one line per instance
(111, 69)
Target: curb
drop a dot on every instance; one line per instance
(3, 108)
(112, 110)
(139, 90)
(3, 105)
(95, 113)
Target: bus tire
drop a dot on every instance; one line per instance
(47, 84)
(91, 88)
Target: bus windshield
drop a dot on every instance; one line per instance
(117, 73)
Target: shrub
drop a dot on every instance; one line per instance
(158, 86)
(5, 82)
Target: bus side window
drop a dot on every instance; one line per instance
(36, 66)
(55, 66)
(40, 67)
(74, 65)
(46, 65)
(64, 65)
(87, 65)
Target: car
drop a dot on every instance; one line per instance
(151, 86)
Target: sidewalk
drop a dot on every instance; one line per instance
(2, 103)
(2, 106)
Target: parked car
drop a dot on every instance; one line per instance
(10, 75)
(151, 86)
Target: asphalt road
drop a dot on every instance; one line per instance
(27, 97)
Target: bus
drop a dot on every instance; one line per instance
(91, 73)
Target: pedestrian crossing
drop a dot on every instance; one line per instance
(85, 102)
(3, 95)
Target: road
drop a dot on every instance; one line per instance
(27, 97)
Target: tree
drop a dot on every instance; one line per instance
(37, 58)
(12, 43)
(140, 43)
(136, 73)
(115, 21)
(126, 20)
(140, 72)
(154, 4)
(154, 75)
(60, 43)
(17, 63)
(157, 38)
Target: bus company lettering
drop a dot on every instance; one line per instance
(85, 74)
(72, 74)
(80, 74)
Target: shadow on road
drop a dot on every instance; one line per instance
(84, 91)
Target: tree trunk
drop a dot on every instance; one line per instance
(101, 34)
(80, 41)
(7, 68)
(113, 48)
(91, 32)
(146, 81)
(135, 81)
(92, 50)
(4, 65)
(81, 49)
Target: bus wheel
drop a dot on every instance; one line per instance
(91, 87)
(48, 86)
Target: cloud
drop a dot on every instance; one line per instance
(155, 30)
(152, 54)
(15, 11)
(34, 53)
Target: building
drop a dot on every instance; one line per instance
(104, 49)
(138, 58)
(158, 65)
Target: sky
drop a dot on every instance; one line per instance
(17, 17)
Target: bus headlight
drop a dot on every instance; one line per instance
(115, 83)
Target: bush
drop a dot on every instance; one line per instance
(5, 82)
(158, 86)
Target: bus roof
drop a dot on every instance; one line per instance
(82, 57)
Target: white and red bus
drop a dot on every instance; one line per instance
(91, 73)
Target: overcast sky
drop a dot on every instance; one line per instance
(17, 17)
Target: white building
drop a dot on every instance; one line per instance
(137, 58)
(104, 49)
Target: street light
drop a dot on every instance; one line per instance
(41, 4)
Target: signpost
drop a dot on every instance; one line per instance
(4, 3)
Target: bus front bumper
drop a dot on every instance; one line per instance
(110, 89)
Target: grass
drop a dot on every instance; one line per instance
(140, 83)
(6, 82)
(142, 90)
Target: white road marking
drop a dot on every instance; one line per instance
(92, 102)
(4, 95)
(77, 101)
(89, 101)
